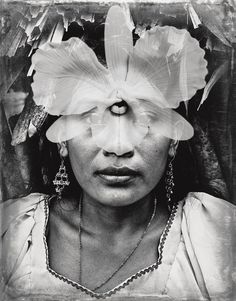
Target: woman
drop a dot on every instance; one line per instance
(119, 237)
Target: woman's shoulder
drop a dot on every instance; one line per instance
(15, 209)
(206, 199)
(208, 230)
(207, 205)
(206, 214)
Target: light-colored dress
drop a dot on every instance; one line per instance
(197, 255)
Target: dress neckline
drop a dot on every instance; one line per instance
(131, 278)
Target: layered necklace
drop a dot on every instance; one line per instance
(125, 259)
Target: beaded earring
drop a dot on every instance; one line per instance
(169, 184)
(61, 179)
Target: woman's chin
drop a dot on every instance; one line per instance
(113, 190)
(116, 196)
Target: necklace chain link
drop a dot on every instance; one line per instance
(127, 257)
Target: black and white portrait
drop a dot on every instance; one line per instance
(118, 150)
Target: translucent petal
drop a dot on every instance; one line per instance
(65, 69)
(66, 128)
(171, 61)
(137, 91)
(170, 124)
(123, 135)
(118, 42)
(120, 134)
(70, 126)
(165, 67)
(163, 122)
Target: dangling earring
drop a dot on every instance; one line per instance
(61, 179)
(169, 184)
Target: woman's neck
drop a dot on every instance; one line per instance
(97, 217)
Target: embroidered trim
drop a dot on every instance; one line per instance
(127, 281)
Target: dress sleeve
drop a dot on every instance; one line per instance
(209, 233)
(17, 224)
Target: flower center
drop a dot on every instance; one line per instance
(119, 108)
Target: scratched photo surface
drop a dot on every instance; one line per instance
(65, 72)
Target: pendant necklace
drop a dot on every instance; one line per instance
(126, 258)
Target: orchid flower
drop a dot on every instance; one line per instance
(133, 96)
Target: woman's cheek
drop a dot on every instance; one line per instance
(80, 157)
(154, 157)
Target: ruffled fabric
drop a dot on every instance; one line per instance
(209, 233)
(16, 237)
(198, 254)
(166, 66)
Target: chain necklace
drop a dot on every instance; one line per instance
(127, 257)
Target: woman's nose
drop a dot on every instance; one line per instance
(119, 142)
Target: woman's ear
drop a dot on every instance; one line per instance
(173, 148)
(62, 148)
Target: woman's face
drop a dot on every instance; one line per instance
(123, 175)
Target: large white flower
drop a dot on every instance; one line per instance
(165, 67)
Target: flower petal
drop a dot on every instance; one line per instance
(118, 134)
(65, 69)
(118, 42)
(163, 121)
(66, 128)
(171, 61)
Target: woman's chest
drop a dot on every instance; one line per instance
(171, 276)
(166, 278)
(99, 262)
(98, 259)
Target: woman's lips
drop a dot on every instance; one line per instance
(113, 175)
(116, 179)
